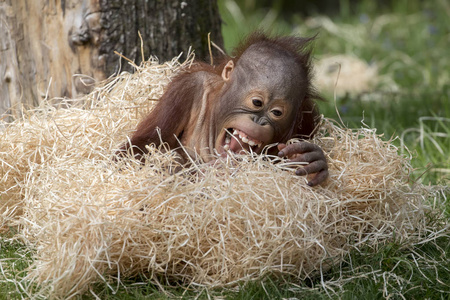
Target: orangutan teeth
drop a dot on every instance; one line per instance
(243, 137)
(226, 147)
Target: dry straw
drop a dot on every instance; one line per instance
(89, 219)
(355, 75)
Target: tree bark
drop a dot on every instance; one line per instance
(60, 48)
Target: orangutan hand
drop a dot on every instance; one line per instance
(309, 153)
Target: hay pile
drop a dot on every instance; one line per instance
(354, 75)
(91, 219)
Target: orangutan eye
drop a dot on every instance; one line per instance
(256, 102)
(277, 112)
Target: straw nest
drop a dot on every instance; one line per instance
(89, 218)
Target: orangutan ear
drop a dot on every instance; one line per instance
(227, 70)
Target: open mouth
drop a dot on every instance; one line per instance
(237, 141)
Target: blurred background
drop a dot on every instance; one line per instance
(392, 58)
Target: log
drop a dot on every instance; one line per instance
(61, 48)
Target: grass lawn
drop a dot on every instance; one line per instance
(409, 43)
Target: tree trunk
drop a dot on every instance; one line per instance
(60, 48)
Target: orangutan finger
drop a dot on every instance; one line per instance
(318, 178)
(308, 157)
(297, 148)
(314, 167)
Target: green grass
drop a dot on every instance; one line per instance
(14, 259)
(423, 128)
(419, 273)
(409, 42)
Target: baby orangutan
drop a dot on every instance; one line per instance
(260, 96)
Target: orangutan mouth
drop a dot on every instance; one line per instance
(236, 140)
